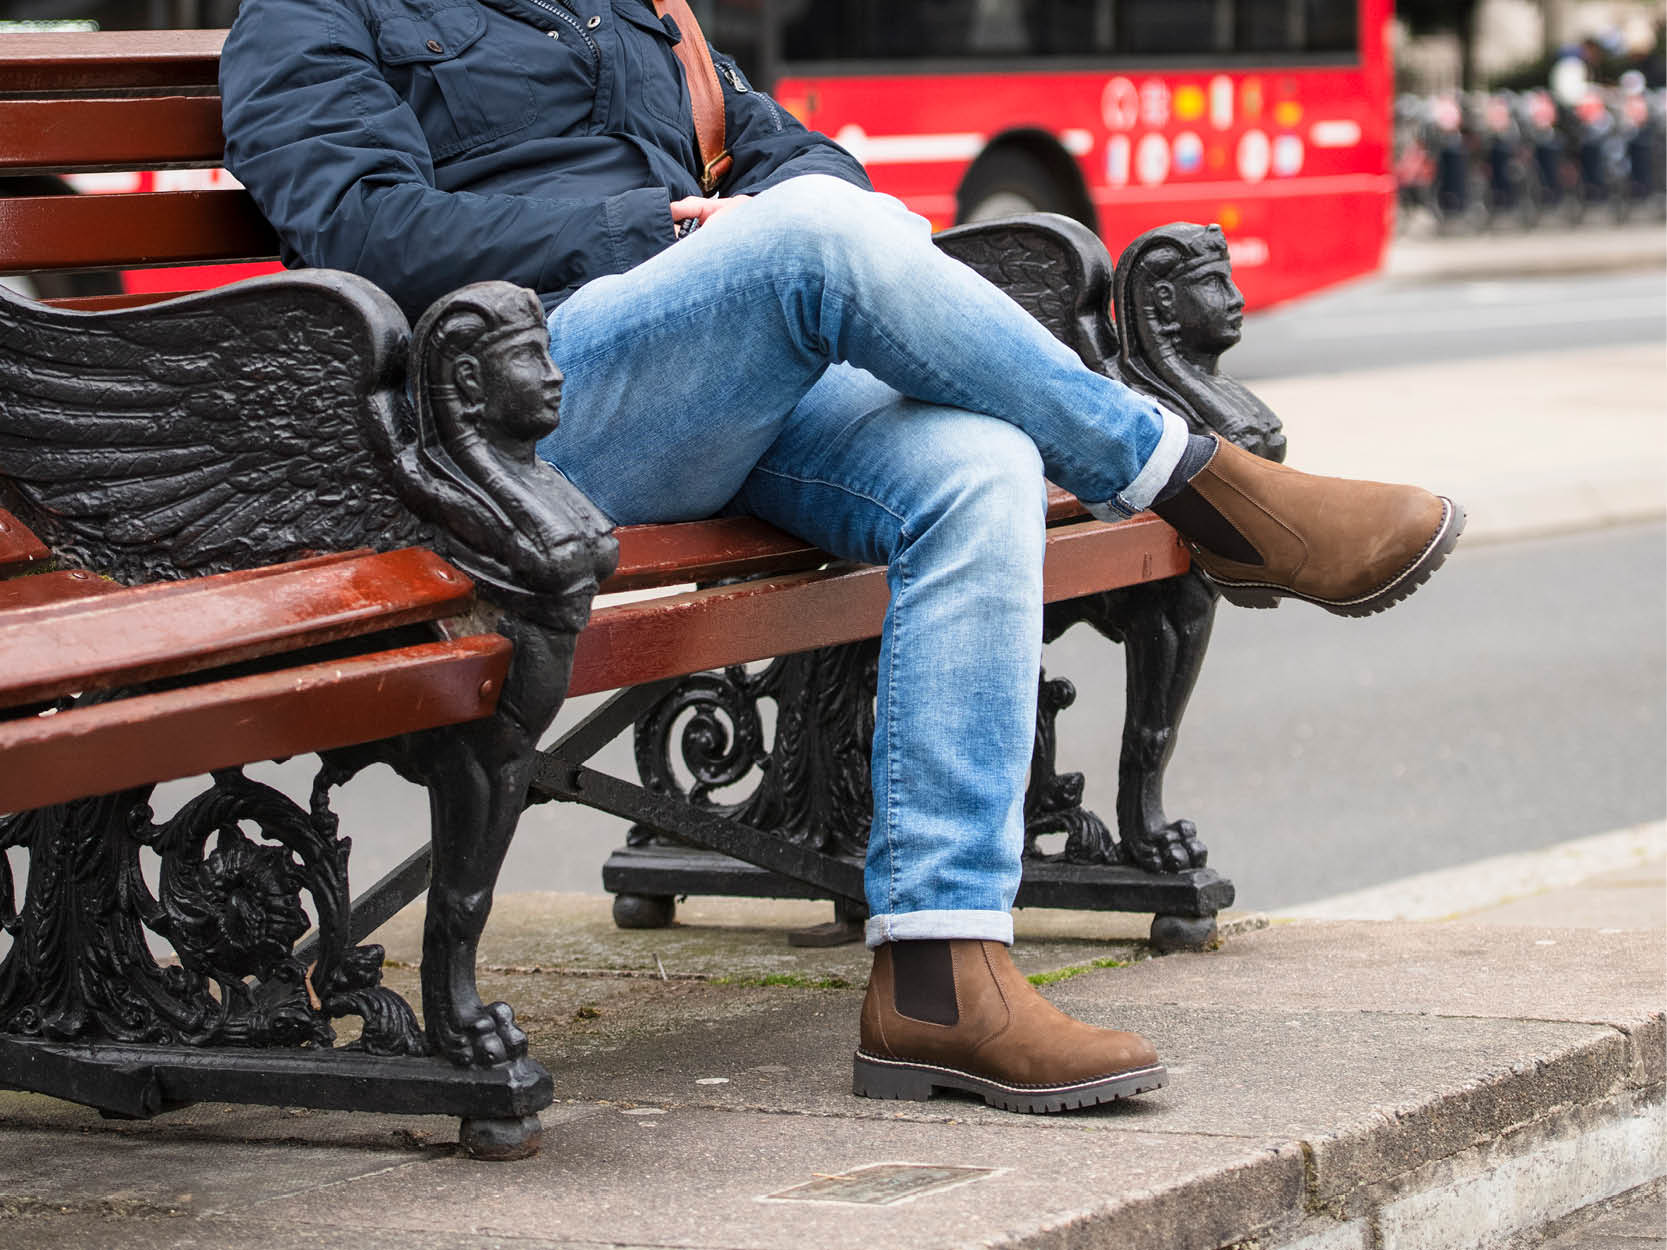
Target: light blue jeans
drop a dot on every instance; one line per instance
(809, 357)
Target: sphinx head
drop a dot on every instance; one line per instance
(481, 357)
(1176, 296)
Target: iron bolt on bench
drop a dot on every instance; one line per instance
(251, 549)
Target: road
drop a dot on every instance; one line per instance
(1382, 322)
(1515, 702)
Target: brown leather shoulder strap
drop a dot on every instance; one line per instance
(706, 93)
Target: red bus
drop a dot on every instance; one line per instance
(1270, 117)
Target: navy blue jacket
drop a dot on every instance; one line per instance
(426, 144)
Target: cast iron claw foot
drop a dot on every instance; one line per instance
(1173, 848)
(481, 1041)
(502, 1141)
(1183, 933)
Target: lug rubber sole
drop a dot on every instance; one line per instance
(874, 1077)
(1431, 558)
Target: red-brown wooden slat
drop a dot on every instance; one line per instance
(1063, 505)
(152, 133)
(102, 303)
(697, 551)
(100, 60)
(181, 733)
(44, 588)
(702, 551)
(154, 228)
(182, 627)
(18, 546)
(630, 643)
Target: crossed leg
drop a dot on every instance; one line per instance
(812, 359)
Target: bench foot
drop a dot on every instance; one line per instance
(849, 925)
(130, 1080)
(644, 911)
(1183, 933)
(502, 1141)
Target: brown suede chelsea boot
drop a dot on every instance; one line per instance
(958, 1015)
(1261, 531)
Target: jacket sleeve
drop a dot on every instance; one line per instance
(339, 165)
(769, 144)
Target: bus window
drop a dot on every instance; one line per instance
(1330, 26)
(1167, 26)
(1295, 26)
(1267, 26)
(879, 30)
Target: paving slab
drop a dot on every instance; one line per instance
(1458, 969)
(56, 1230)
(1626, 898)
(739, 940)
(1328, 1079)
(702, 1178)
(161, 1175)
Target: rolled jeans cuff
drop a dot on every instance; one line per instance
(1154, 475)
(914, 926)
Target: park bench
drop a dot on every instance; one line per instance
(249, 553)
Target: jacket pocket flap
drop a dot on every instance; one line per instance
(437, 37)
(639, 14)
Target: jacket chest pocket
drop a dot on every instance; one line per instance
(649, 63)
(466, 85)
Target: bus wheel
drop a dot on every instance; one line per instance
(1007, 181)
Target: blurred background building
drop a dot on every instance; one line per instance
(1514, 43)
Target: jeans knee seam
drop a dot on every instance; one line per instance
(840, 487)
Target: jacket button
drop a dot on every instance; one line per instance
(554, 34)
(594, 23)
(434, 46)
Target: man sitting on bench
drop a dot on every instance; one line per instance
(809, 357)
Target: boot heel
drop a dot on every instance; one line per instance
(880, 1080)
(1248, 596)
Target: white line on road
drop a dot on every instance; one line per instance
(1450, 892)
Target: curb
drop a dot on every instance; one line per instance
(1451, 893)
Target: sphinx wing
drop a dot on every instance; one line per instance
(1055, 268)
(226, 429)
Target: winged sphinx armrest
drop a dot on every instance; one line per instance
(268, 419)
(1055, 268)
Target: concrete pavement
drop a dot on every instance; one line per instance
(1339, 1083)
(1599, 248)
(1473, 1061)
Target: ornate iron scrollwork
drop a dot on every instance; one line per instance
(230, 904)
(812, 782)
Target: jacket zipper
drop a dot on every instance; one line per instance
(572, 21)
(741, 88)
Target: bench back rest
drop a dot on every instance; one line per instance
(107, 101)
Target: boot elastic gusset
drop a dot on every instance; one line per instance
(1007, 1043)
